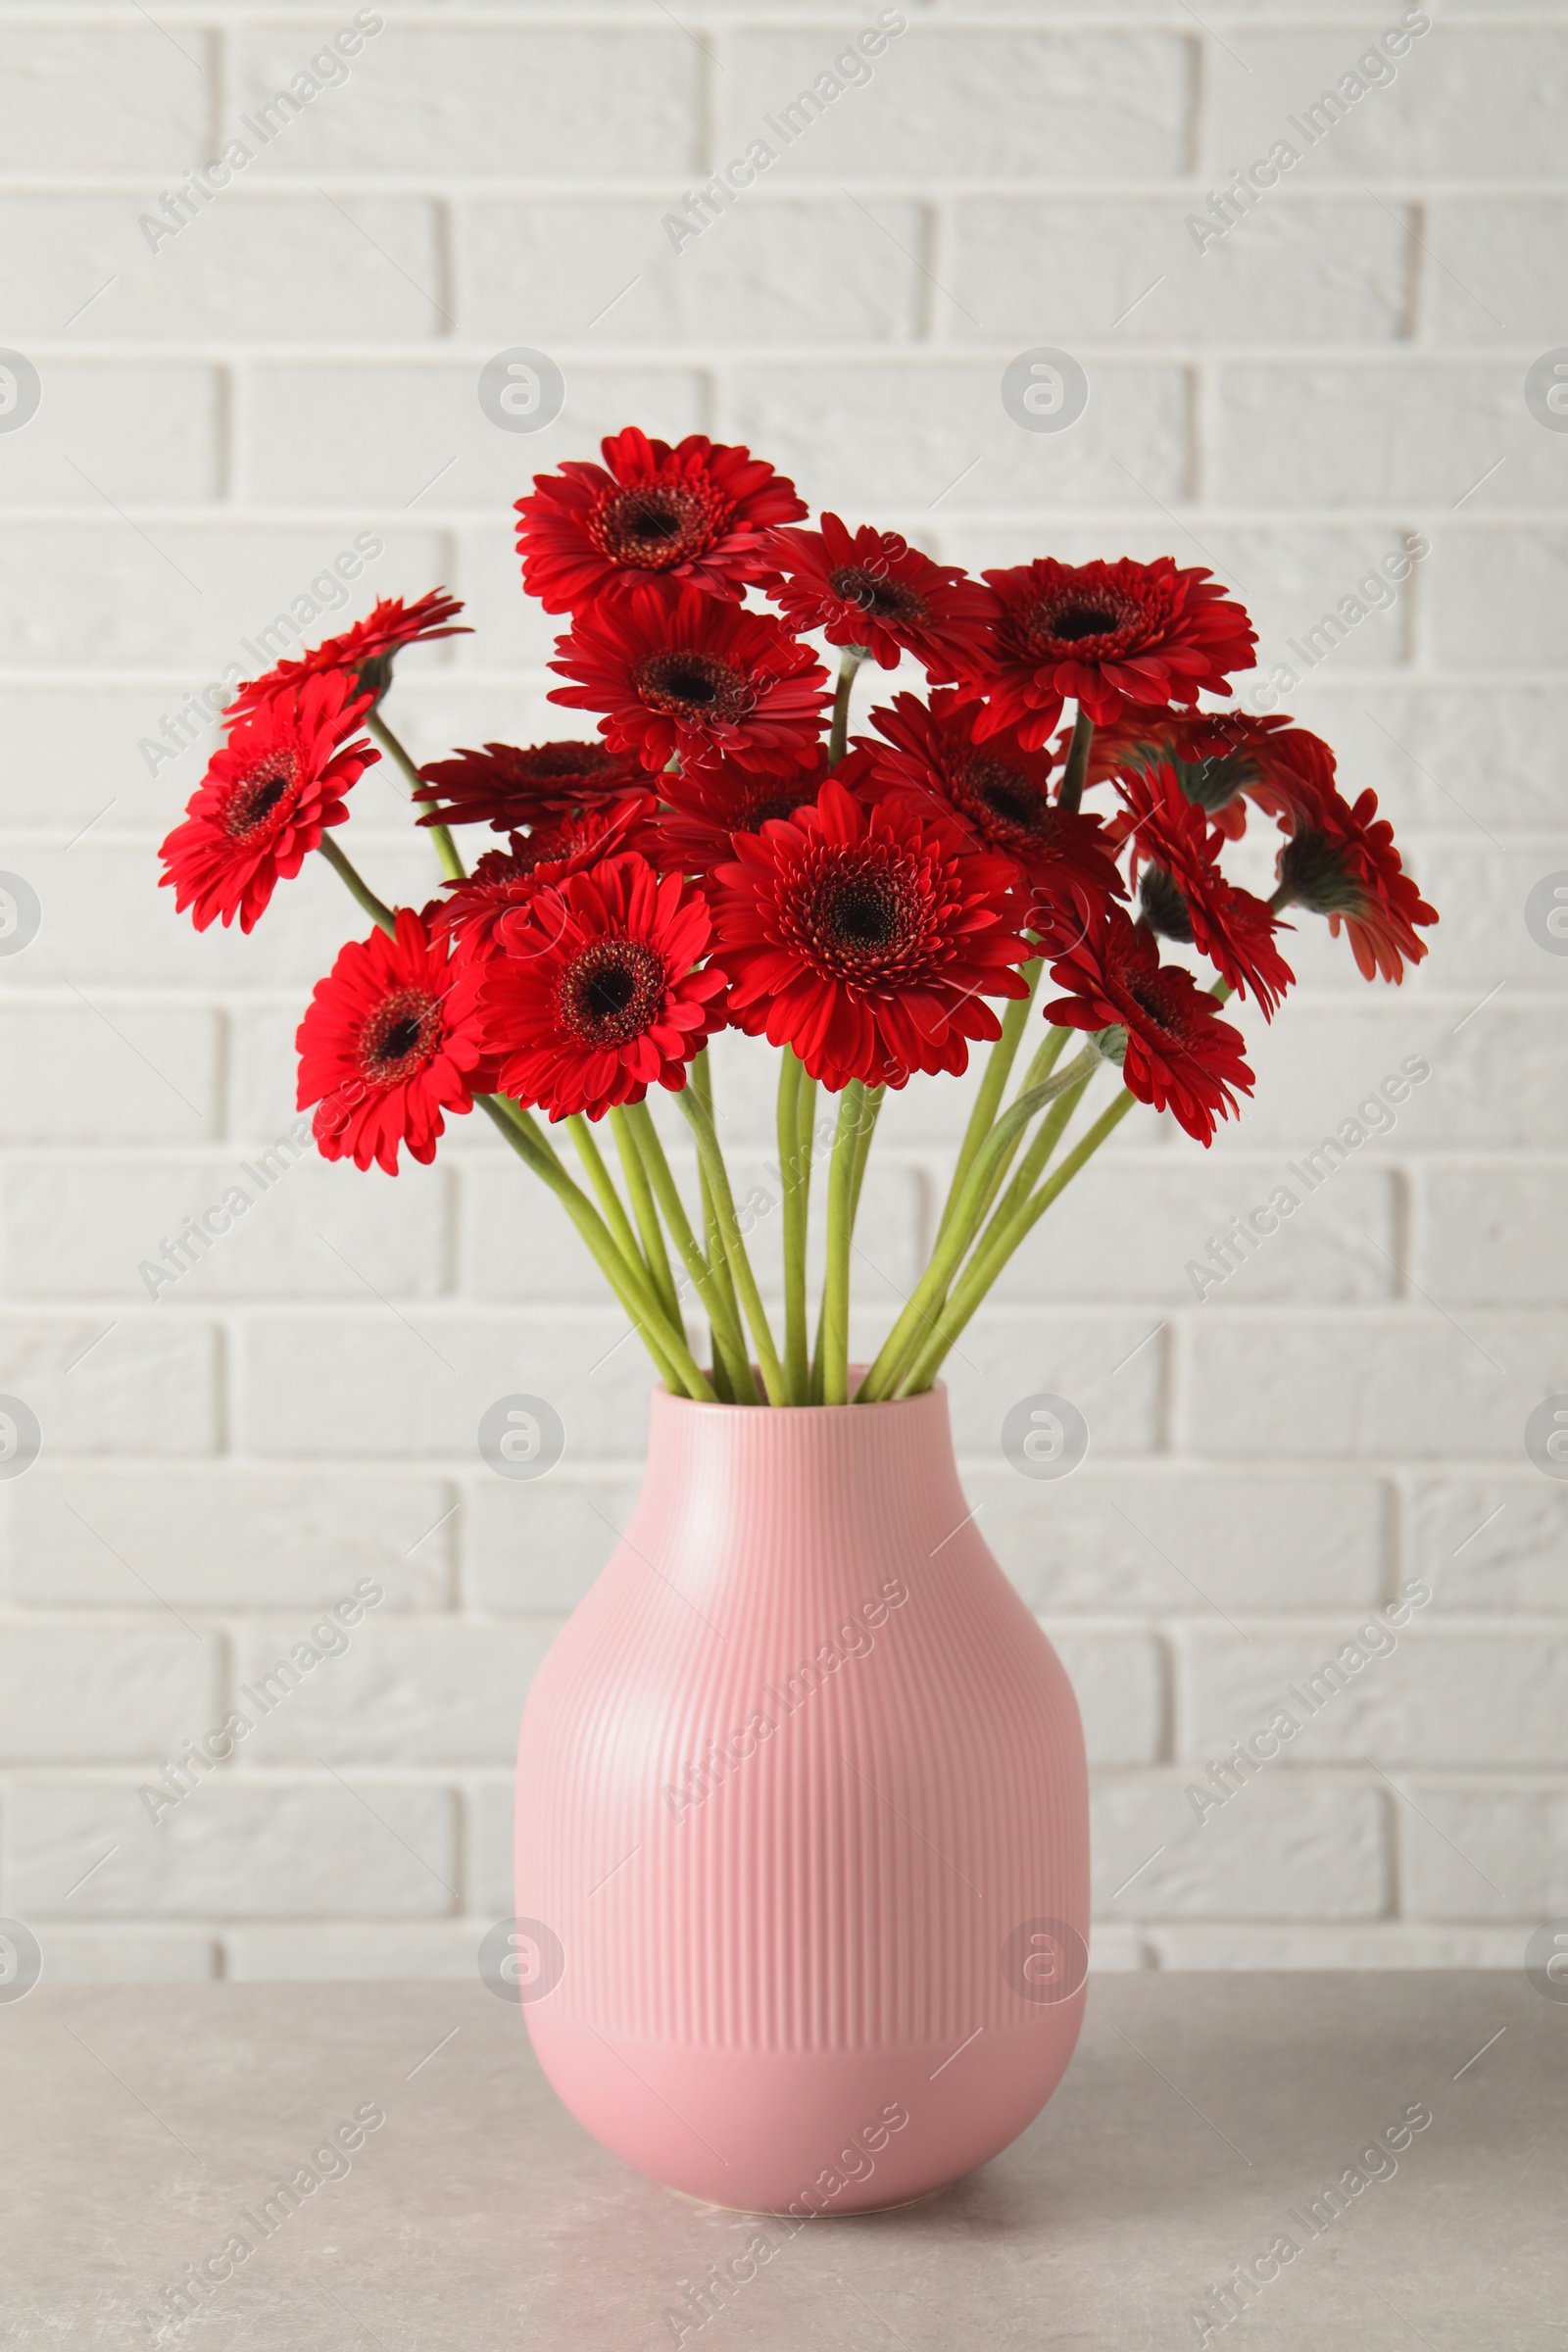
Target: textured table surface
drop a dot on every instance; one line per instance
(1200, 2121)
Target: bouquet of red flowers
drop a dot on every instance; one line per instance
(727, 855)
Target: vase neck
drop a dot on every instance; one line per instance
(804, 1498)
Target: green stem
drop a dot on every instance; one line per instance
(1073, 780)
(998, 1246)
(833, 1351)
(676, 1363)
(1047, 1055)
(667, 1193)
(849, 664)
(1039, 1152)
(611, 1244)
(797, 1180)
(655, 1258)
(611, 1205)
(1038, 1156)
(1039, 1071)
(357, 888)
(874, 1100)
(993, 1086)
(862, 1154)
(713, 1160)
(924, 1305)
(734, 1381)
(446, 849)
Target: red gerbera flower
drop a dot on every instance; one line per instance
(1106, 634)
(596, 998)
(503, 881)
(866, 938)
(872, 588)
(1223, 759)
(1180, 1055)
(366, 650)
(1184, 896)
(390, 1040)
(1000, 793)
(1347, 868)
(266, 800)
(506, 787)
(680, 672)
(696, 512)
(704, 811)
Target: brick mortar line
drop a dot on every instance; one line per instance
(172, 995)
(925, 1157)
(571, 184)
(1325, 1469)
(463, 1471)
(718, 15)
(62, 841)
(238, 1315)
(449, 1777)
(1188, 1624)
(661, 356)
(215, 515)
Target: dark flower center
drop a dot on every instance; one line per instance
(883, 597)
(864, 912)
(1002, 792)
(610, 992)
(546, 845)
(1059, 620)
(654, 525)
(1083, 621)
(859, 917)
(250, 813)
(1148, 996)
(399, 1036)
(763, 804)
(698, 689)
(548, 760)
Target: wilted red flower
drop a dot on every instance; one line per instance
(266, 800)
(505, 786)
(1184, 896)
(704, 811)
(872, 588)
(866, 938)
(1180, 1055)
(998, 792)
(1222, 760)
(696, 512)
(1347, 868)
(366, 650)
(390, 1042)
(678, 672)
(503, 881)
(1106, 634)
(597, 998)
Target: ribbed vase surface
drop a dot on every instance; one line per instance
(802, 1822)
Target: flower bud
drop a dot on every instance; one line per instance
(1162, 907)
(1315, 873)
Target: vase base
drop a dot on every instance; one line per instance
(856, 2213)
(807, 2132)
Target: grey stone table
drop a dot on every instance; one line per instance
(1205, 2118)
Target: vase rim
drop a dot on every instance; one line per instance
(667, 1402)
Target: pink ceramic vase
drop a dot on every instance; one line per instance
(802, 1843)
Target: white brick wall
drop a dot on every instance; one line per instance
(298, 366)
